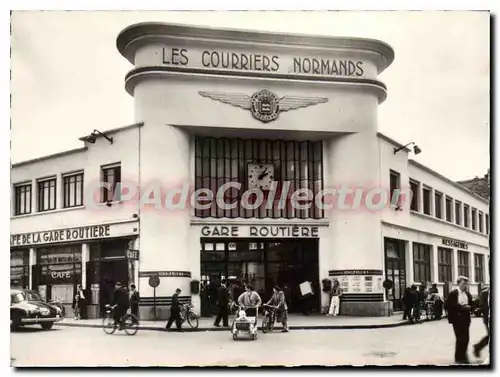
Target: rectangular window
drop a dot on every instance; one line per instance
(463, 263)
(414, 195)
(466, 216)
(73, 190)
(444, 265)
(111, 178)
(421, 262)
(438, 202)
(474, 219)
(449, 207)
(22, 200)
(283, 164)
(47, 195)
(481, 219)
(479, 268)
(458, 213)
(427, 200)
(487, 223)
(395, 184)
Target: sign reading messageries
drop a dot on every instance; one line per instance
(60, 235)
(260, 62)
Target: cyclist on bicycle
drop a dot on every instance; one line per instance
(120, 304)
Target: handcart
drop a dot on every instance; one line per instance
(245, 321)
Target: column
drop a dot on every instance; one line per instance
(452, 210)
(85, 259)
(443, 206)
(409, 263)
(31, 263)
(454, 265)
(434, 264)
(433, 202)
(59, 192)
(420, 197)
(472, 264)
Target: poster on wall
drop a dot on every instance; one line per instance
(359, 281)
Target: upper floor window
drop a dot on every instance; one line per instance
(474, 218)
(287, 166)
(414, 195)
(458, 213)
(427, 200)
(47, 194)
(421, 262)
(73, 190)
(395, 186)
(438, 203)
(463, 263)
(487, 223)
(466, 216)
(449, 208)
(111, 178)
(22, 199)
(481, 224)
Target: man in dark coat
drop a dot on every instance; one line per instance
(222, 305)
(415, 302)
(134, 301)
(407, 303)
(458, 304)
(175, 311)
(484, 304)
(121, 304)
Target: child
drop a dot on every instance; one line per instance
(76, 307)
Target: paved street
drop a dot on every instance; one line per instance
(429, 343)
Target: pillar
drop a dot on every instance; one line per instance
(31, 263)
(433, 202)
(409, 264)
(472, 275)
(420, 197)
(434, 264)
(454, 265)
(85, 259)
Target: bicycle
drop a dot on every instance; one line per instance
(269, 318)
(129, 321)
(188, 314)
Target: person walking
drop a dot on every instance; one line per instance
(222, 305)
(134, 301)
(335, 294)
(279, 302)
(120, 303)
(81, 302)
(175, 311)
(458, 304)
(484, 304)
(407, 305)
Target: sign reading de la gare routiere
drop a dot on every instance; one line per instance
(60, 235)
(254, 62)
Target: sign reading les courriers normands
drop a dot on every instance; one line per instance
(260, 62)
(61, 235)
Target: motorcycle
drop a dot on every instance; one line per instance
(188, 315)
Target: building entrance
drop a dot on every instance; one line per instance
(395, 270)
(263, 263)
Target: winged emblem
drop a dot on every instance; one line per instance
(264, 104)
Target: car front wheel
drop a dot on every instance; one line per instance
(47, 325)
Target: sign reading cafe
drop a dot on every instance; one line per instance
(260, 62)
(60, 235)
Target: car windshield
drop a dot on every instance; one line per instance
(25, 296)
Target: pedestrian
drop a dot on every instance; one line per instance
(222, 305)
(415, 303)
(433, 289)
(484, 304)
(335, 294)
(76, 307)
(250, 301)
(458, 304)
(175, 311)
(134, 302)
(279, 302)
(81, 302)
(407, 304)
(121, 304)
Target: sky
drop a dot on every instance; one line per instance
(67, 77)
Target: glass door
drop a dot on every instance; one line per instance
(395, 270)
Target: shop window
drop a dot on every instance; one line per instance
(458, 213)
(73, 190)
(481, 223)
(395, 187)
(487, 223)
(111, 177)
(47, 195)
(479, 268)
(427, 200)
(219, 161)
(466, 216)
(449, 208)
(22, 201)
(19, 268)
(421, 262)
(444, 265)
(414, 195)
(474, 218)
(463, 263)
(438, 202)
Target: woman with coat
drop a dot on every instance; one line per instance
(278, 301)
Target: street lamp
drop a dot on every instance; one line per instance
(416, 149)
(93, 136)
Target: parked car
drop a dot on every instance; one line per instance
(27, 308)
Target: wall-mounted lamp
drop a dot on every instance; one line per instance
(93, 136)
(416, 149)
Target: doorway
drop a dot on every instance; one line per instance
(112, 271)
(263, 263)
(395, 270)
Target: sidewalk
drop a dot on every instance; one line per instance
(295, 322)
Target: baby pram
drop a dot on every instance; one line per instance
(245, 321)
